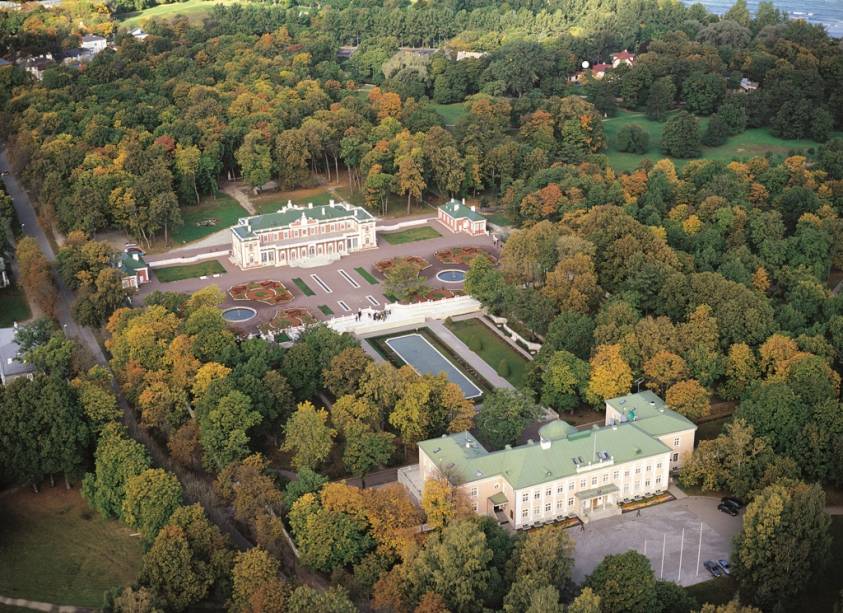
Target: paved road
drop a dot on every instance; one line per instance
(29, 221)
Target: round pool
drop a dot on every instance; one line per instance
(451, 276)
(238, 314)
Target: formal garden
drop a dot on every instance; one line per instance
(267, 292)
(462, 256)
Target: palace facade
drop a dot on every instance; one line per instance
(302, 236)
(568, 472)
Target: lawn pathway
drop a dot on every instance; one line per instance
(233, 190)
(42, 606)
(462, 350)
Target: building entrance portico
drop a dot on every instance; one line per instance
(598, 502)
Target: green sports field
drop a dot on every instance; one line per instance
(192, 9)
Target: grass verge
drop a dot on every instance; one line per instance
(55, 549)
(326, 310)
(410, 235)
(450, 112)
(222, 208)
(13, 306)
(192, 9)
(303, 287)
(495, 351)
(189, 271)
(366, 275)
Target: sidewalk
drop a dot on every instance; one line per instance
(475, 361)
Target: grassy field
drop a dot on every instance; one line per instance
(499, 219)
(450, 112)
(190, 271)
(410, 235)
(13, 306)
(223, 208)
(194, 10)
(55, 549)
(750, 143)
(304, 287)
(492, 348)
(272, 201)
(366, 275)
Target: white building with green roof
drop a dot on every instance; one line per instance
(458, 217)
(302, 236)
(568, 472)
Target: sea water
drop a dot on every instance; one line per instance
(828, 13)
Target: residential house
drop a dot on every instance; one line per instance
(134, 268)
(302, 236)
(748, 86)
(568, 472)
(598, 71)
(138, 33)
(461, 218)
(11, 365)
(624, 57)
(94, 43)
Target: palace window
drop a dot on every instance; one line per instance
(659, 466)
(560, 489)
(594, 480)
(675, 457)
(474, 491)
(525, 497)
(647, 483)
(649, 468)
(549, 492)
(637, 470)
(525, 513)
(676, 442)
(658, 480)
(571, 486)
(547, 508)
(606, 478)
(582, 482)
(616, 475)
(570, 502)
(537, 494)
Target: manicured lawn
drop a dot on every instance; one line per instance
(13, 306)
(366, 275)
(499, 219)
(55, 549)
(189, 271)
(326, 310)
(193, 9)
(270, 202)
(507, 362)
(303, 287)
(410, 235)
(224, 209)
(751, 143)
(450, 112)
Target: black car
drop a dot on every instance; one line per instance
(713, 567)
(737, 503)
(727, 508)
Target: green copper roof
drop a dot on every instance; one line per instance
(498, 498)
(129, 265)
(460, 210)
(463, 457)
(650, 413)
(248, 226)
(556, 429)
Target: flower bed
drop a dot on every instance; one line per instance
(384, 265)
(435, 293)
(288, 318)
(268, 292)
(634, 505)
(462, 255)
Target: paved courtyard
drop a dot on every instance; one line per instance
(343, 292)
(659, 529)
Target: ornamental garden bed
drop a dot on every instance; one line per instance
(420, 263)
(462, 255)
(268, 292)
(289, 318)
(634, 505)
(434, 293)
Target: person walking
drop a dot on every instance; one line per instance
(638, 513)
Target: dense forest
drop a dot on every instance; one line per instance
(706, 280)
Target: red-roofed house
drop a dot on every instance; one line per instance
(598, 71)
(624, 57)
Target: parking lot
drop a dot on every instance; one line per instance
(658, 534)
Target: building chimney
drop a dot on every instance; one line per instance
(310, 205)
(545, 443)
(473, 208)
(331, 203)
(135, 256)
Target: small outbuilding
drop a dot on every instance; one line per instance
(461, 218)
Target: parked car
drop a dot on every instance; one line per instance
(712, 567)
(727, 508)
(735, 502)
(724, 564)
